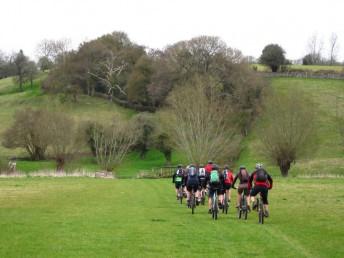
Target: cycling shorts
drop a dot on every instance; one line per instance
(262, 190)
(192, 186)
(243, 187)
(178, 184)
(227, 186)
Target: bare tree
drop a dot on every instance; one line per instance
(62, 135)
(52, 49)
(315, 48)
(334, 48)
(112, 142)
(108, 73)
(29, 132)
(200, 121)
(286, 129)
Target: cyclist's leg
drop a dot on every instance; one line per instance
(211, 192)
(247, 198)
(264, 193)
(240, 189)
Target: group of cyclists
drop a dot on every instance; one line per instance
(210, 178)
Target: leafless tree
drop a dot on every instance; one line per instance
(108, 72)
(315, 48)
(112, 142)
(62, 134)
(52, 49)
(334, 48)
(286, 128)
(199, 121)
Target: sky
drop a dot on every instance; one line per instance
(245, 25)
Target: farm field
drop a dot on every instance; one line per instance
(80, 217)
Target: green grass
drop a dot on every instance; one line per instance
(312, 68)
(326, 156)
(84, 217)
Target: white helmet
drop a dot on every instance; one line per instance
(259, 165)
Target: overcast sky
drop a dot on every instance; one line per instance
(246, 25)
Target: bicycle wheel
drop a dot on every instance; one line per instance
(260, 212)
(226, 205)
(193, 203)
(245, 210)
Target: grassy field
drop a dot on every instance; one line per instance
(83, 217)
(327, 154)
(312, 68)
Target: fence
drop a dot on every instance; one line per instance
(161, 172)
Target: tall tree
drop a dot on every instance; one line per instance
(334, 48)
(20, 61)
(286, 128)
(273, 56)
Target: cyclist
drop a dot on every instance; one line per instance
(243, 177)
(192, 182)
(227, 181)
(178, 178)
(209, 167)
(215, 179)
(202, 178)
(262, 183)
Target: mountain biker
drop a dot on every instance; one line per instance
(192, 182)
(243, 177)
(178, 178)
(209, 167)
(202, 178)
(227, 181)
(215, 179)
(262, 183)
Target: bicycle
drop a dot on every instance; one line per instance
(192, 201)
(225, 205)
(260, 209)
(180, 194)
(214, 205)
(243, 209)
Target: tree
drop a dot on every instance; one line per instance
(61, 130)
(144, 126)
(20, 61)
(315, 48)
(286, 129)
(273, 56)
(44, 63)
(29, 131)
(30, 72)
(112, 142)
(199, 120)
(334, 48)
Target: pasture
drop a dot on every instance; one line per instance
(85, 217)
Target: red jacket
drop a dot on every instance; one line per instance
(208, 168)
(230, 178)
(268, 183)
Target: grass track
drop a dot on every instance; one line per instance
(140, 218)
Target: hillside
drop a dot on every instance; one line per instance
(326, 157)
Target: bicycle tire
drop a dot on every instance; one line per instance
(193, 204)
(239, 213)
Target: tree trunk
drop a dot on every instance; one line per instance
(284, 166)
(60, 162)
(274, 68)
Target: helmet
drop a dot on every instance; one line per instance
(259, 165)
(214, 167)
(242, 167)
(226, 167)
(210, 162)
(191, 166)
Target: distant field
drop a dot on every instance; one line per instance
(313, 68)
(327, 156)
(140, 218)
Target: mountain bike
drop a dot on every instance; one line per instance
(243, 209)
(214, 205)
(180, 194)
(225, 205)
(260, 209)
(192, 201)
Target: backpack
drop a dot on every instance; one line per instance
(226, 176)
(244, 176)
(214, 177)
(261, 175)
(179, 172)
(202, 172)
(192, 172)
